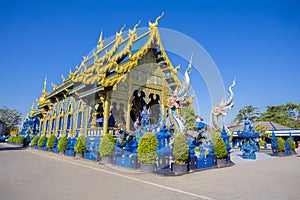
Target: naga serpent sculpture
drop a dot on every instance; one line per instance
(179, 96)
(220, 110)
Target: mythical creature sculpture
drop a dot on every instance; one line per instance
(220, 110)
(180, 95)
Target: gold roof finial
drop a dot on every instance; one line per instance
(119, 35)
(134, 29)
(32, 110)
(44, 92)
(63, 78)
(100, 39)
(155, 24)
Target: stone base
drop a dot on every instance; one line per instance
(180, 169)
(107, 160)
(148, 167)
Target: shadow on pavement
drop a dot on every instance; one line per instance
(6, 148)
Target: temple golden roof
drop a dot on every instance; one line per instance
(108, 63)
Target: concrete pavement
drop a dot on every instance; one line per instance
(31, 174)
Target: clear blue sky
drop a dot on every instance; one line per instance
(256, 41)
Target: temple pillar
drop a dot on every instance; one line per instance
(106, 112)
(164, 99)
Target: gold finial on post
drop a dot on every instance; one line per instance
(155, 24)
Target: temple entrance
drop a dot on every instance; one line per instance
(143, 113)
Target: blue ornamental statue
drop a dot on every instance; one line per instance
(248, 135)
(274, 143)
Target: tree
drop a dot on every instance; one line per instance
(249, 111)
(282, 114)
(188, 113)
(11, 118)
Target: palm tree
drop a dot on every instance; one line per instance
(249, 111)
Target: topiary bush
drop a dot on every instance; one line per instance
(219, 147)
(292, 144)
(41, 141)
(14, 139)
(50, 141)
(34, 140)
(20, 139)
(107, 146)
(80, 144)
(180, 150)
(62, 144)
(281, 147)
(11, 139)
(147, 148)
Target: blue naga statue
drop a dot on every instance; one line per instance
(248, 135)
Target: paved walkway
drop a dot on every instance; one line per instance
(32, 174)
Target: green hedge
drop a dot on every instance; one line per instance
(107, 146)
(147, 148)
(34, 140)
(281, 147)
(180, 150)
(16, 139)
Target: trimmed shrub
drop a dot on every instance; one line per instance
(11, 139)
(292, 144)
(261, 143)
(34, 140)
(107, 146)
(50, 141)
(281, 147)
(147, 148)
(219, 147)
(14, 139)
(20, 139)
(62, 144)
(180, 150)
(80, 144)
(41, 141)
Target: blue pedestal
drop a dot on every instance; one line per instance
(205, 163)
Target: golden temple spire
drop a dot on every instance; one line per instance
(155, 24)
(32, 110)
(44, 92)
(100, 39)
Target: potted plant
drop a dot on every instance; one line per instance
(41, 141)
(107, 148)
(50, 142)
(292, 146)
(281, 147)
(34, 141)
(79, 148)
(220, 150)
(147, 152)
(62, 145)
(181, 155)
(20, 140)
